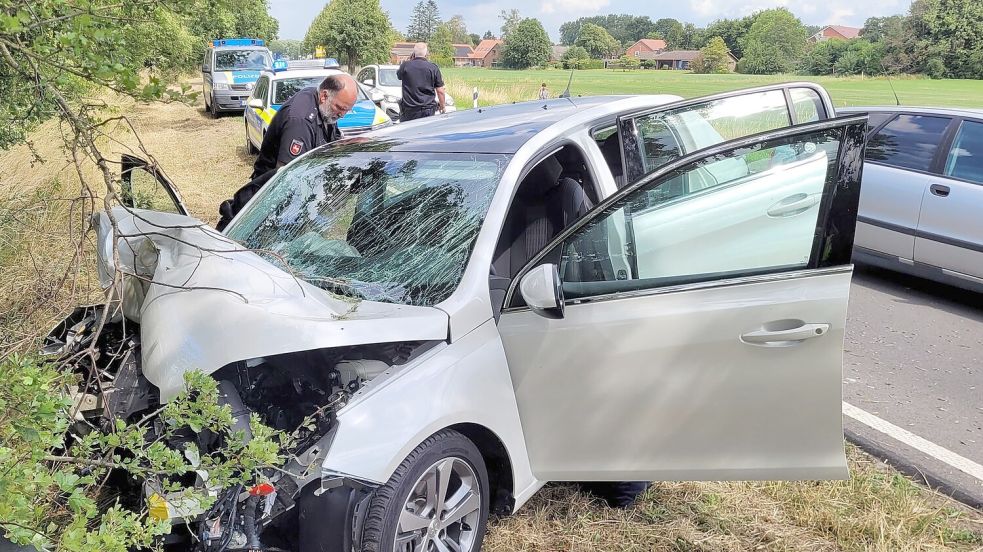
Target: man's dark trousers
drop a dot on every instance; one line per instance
(416, 113)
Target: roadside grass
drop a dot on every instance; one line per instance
(877, 509)
(502, 86)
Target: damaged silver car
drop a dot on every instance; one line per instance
(583, 289)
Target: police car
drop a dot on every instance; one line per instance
(229, 72)
(275, 87)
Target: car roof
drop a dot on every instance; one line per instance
(499, 129)
(946, 111)
(302, 73)
(234, 47)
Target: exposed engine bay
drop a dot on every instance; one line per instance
(297, 393)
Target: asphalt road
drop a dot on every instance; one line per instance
(914, 358)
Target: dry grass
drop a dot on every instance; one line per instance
(877, 509)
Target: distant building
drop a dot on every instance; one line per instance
(645, 46)
(462, 55)
(681, 59)
(835, 31)
(488, 53)
(401, 51)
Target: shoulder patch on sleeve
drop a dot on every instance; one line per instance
(296, 147)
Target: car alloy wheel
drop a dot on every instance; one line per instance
(442, 511)
(437, 500)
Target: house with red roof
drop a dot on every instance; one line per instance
(646, 46)
(487, 53)
(835, 31)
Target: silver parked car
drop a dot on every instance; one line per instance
(921, 211)
(586, 289)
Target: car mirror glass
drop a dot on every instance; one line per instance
(542, 291)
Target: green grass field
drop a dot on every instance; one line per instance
(501, 86)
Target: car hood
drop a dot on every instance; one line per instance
(204, 302)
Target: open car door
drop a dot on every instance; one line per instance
(145, 187)
(696, 328)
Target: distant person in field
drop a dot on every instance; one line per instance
(544, 93)
(423, 86)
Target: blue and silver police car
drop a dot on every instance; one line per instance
(229, 72)
(275, 87)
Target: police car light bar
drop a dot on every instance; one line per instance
(331, 63)
(238, 42)
(280, 65)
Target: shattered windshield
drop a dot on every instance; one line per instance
(380, 226)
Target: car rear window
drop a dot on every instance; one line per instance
(908, 142)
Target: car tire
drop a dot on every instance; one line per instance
(212, 108)
(250, 148)
(403, 503)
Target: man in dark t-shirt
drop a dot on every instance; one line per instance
(423, 86)
(307, 120)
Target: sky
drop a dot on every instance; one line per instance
(482, 15)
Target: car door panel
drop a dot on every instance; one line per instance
(726, 370)
(889, 210)
(950, 229)
(670, 393)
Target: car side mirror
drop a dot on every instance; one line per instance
(542, 291)
(376, 95)
(204, 68)
(255, 103)
(369, 82)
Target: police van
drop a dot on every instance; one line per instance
(229, 72)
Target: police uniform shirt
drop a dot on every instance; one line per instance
(421, 79)
(296, 128)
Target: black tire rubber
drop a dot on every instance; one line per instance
(212, 109)
(382, 515)
(250, 148)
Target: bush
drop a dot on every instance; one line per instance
(588, 64)
(650, 64)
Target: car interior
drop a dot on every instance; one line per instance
(556, 192)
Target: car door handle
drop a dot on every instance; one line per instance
(793, 205)
(784, 337)
(940, 190)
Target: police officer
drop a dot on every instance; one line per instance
(306, 121)
(423, 86)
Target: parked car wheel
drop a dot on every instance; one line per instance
(436, 500)
(213, 109)
(250, 148)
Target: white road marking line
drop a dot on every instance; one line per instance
(941, 454)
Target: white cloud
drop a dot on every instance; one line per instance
(573, 6)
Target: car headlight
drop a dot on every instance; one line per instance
(220, 86)
(391, 99)
(250, 85)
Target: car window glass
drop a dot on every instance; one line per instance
(143, 191)
(908, 142)
(387, 77)
(666, 135)
(807, 105)
(262, 87)
(876, 118)
(236, 60)
(380, 226)
(284, 89)
(755, 211)
(966, 155)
